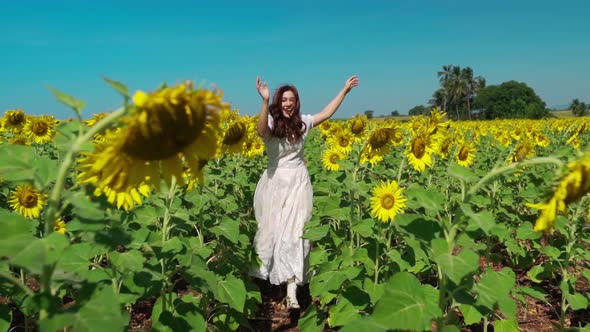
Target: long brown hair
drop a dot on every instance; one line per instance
(293, 127)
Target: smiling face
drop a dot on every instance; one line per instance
(288, 103)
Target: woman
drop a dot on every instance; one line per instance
(283, 197)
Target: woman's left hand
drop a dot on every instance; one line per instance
(351, 82)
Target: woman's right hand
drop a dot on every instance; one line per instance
(262, 88)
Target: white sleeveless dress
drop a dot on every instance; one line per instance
(283, 203)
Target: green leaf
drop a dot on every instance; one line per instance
(494, 289)
(483, 220)
(552, 252)
(5, 317)
(100, 314)
(375, 291)
(538, 294)
(325, 282)
(470, 314)
(462, 173)
(419, 227)
(406, 304)
(17, 233)
(342, 313)
(455, 267)
(118, 86)
(577, 301)
(526, 232)
(364, 228)
(430, 199)
(233, 292)
(40, 252)
(509, 325)
(316, 233)
(73, 103)
(536, 273)
(76, 258)
(45, 172)
(228, 228)
(131, 261)
(16, 163)
(312, 320)
(367, 323)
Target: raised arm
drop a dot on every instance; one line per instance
(333, 105)
(262, 125)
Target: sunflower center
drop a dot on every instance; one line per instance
(379, 138)
(357, 126)
(387, 201)
(165, 129)
(40, 128)
(16, 118)
(419, 147)
(234, 134)
(343, 142)
(28, 199)
(334, 158)
(521, 153)
(463, 154)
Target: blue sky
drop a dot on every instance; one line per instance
(396, 48)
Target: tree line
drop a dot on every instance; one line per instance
(464, 96)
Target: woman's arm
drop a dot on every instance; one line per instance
(262, 125)
(333, 105)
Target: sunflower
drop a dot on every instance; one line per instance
(573, 186)
(19, 139)
(419, 152)
(40, 129)
(373, 159)
(342, 141)
(541, 140)
(331, 158)
(95, 118)
(235, 136)
(358, 126)
(387, 201)
(524, 150)
(59, 226)
(254, 146)
(378, 141)
(14, 120)
(466, 153)
(27, 201)
(574, 141)
(167, 131)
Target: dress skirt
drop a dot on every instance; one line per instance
(283, 203)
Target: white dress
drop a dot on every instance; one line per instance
(283, 202)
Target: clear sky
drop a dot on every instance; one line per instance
(396, 47)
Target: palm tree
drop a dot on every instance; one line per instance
(443, 77)
(456, 87)
(439, 98)
(578, 108)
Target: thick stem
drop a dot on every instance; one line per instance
(52, 212)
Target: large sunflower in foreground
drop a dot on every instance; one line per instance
(572, 186)
(40, 129)
(168, 132)
(27, 201)
(387, 201)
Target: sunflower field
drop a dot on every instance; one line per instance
(422, 225)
